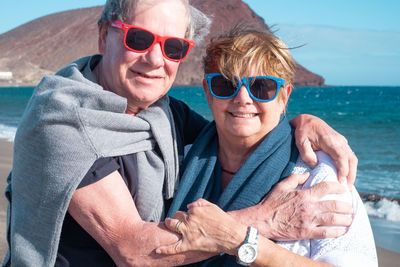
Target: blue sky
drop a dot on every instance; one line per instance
(348, 42)
(350, 14)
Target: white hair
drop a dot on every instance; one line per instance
(198, 23)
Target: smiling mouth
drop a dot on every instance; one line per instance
(147, 76)
(244, 115)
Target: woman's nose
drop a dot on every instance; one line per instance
(243, 97)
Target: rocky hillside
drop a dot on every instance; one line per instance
(46, 44)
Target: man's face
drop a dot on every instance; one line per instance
(142, 78)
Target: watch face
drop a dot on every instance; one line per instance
(247, 253)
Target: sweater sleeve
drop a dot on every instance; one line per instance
(357, 246)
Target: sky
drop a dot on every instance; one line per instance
(348, 42)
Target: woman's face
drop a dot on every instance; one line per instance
(243, 119)
(142, 78)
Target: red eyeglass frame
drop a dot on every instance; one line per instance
(157, 39)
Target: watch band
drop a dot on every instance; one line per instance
(252, 236)
(247, 252)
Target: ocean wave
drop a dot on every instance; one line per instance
(7, 132)
(384, 209)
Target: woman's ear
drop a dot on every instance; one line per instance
(207, 91)
(103, 31)
(205, 86)
(288, 91)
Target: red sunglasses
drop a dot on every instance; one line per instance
(140, 40)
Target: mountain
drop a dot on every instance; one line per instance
(44, 45)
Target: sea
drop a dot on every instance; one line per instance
(368, 116)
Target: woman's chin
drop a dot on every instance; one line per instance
(244, 132)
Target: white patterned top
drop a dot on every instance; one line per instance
(357, 246)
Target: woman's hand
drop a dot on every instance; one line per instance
(205, 227)
(314, 134)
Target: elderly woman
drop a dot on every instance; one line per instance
(97, 151)
(247, 150)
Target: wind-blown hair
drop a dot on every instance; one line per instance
(198, 23)
(242, 48)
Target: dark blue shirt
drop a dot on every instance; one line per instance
(77, 247)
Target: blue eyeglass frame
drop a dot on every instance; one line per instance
(246, 81)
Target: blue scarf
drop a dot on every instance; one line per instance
(272, 161)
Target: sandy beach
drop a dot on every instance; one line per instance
(386, 258)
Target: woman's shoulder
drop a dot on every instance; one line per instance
(324, 171)
(357, 245)
(324, 161)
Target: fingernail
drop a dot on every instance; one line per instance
(350, 186)
(343, 181)
(314, 164)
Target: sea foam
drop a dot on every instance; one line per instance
(7, 132)
(384, 209)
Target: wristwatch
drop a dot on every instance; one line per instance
(247, 252)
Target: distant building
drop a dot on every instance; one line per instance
(6, 76)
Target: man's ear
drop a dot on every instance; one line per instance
(103, 31)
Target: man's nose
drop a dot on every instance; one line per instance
(155, 56)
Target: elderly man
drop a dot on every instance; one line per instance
(97, 152)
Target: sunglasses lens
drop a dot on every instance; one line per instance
(138, 39)
(222, 87)
(176, 48)
(263, 88)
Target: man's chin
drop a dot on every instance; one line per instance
(145, 101)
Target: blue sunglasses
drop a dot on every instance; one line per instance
(260, 88)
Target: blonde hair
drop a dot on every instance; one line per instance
(244, 49)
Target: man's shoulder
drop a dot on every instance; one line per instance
(177, 104)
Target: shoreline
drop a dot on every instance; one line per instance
(386, 257)
(6, 156)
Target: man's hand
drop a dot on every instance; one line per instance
(106, 210)
(287, 213)
(314, 134)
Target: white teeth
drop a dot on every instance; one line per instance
(244, 115)
(146, 76)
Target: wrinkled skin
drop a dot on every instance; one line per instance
(293, 214)
(299, 214)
